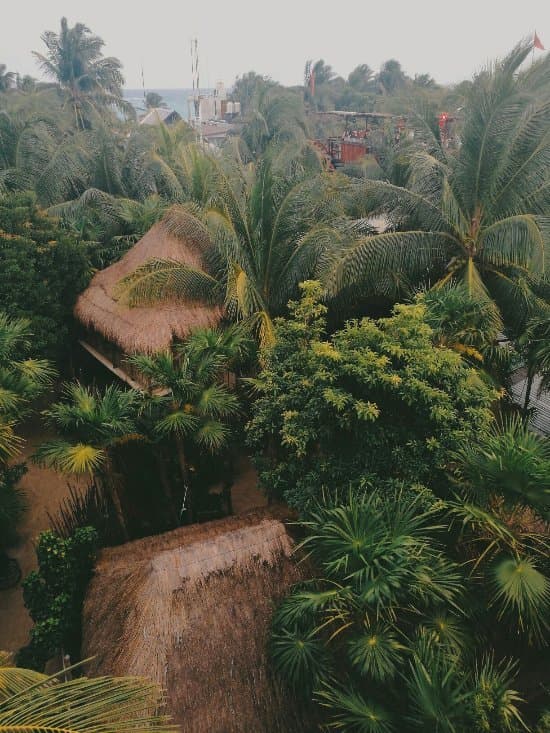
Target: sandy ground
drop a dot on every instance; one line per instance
(45, 490)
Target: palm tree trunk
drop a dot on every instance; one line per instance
(167, 485)
(110, 484)
(528, 389)
(186, 478)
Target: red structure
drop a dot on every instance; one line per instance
(355, 143)
(446, 133)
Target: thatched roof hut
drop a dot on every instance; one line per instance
(192, 610)
(145, 329)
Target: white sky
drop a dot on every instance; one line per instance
(449, 39)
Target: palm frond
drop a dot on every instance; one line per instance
(68, 458)
(522, 595)
(349, 710)
(368, 260)
(32, 702)
(166, 280)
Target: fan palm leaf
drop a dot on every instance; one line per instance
(522, 594)
(351, 711)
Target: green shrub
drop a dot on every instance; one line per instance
(42, 270)
(375, 399)
(54, 594)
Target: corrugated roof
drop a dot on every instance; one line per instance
(539, 402)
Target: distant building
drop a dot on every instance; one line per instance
(156, 115)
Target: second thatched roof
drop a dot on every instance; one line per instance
(145, 329)
(191, 609)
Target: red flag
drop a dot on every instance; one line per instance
(537, 43)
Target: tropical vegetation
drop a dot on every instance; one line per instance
(376, 322)
(31, 701)
(477, 214)
(375, 399)
(393, 634)
(23, 379)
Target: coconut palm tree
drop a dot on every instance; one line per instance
(198, 410)
(89, 81)
(7, 78)
(92, 423)
(264, 229)
(478, 214)
(37, 154)
(275, 115)
(31, 701)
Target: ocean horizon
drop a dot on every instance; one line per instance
(173, 98)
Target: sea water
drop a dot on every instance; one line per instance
(172, 98)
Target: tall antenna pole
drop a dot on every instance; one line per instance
(197, 122)
(143, 86)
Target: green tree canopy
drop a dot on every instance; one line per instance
(42, 270)
(376, 398)
(153, 99)
(90, 82)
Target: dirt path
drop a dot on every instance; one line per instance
(44, 490)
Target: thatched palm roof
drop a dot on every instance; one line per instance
(150, 328)
(192, 609)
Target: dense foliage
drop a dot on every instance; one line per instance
(476, 213)
(22, 380)
(424, 511)
(42, 271)
(394, 634)
(54, 595)
(375, 399)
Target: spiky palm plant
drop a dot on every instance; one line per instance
(462, 322)
(477, 215)
(90, 81)
(198, 408)
(263, 228)
(510, 461)
(22, 380)
(32, 702)
(91, 422)
(381, 639)
(522, 597)
(381, 573)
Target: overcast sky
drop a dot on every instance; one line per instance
(448, 39)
